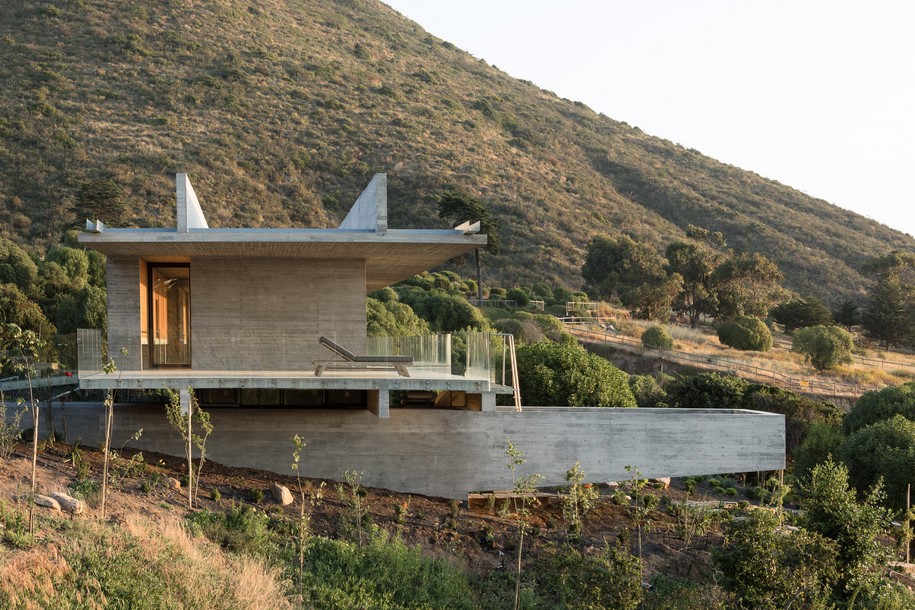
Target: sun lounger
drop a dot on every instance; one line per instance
(352, 361)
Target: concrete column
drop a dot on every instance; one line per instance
(379, 403)
(488, 402)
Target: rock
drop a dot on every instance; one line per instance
(662, 482)
(282, 494)
(173, 482)
(46, 501)
(69, 503)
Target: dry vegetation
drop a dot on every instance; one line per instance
(281, 112)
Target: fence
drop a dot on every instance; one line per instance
(726, 365)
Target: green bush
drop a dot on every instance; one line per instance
(657, 337)
(883, 450)
(821, 443)
(770, 569)
(564, 374)
(879, 405)
(239, 528)
(745, 333)
(800, 411)
(706, 391)
(572, 579)
(823, 346)
(518, 296)
(647, 391)
(384, 573)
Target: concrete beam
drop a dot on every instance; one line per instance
(189, 213)
(370, 212)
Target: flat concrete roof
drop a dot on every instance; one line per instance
(389, 258)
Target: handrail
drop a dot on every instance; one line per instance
(508, 342)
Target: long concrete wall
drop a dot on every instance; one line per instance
(450, 453)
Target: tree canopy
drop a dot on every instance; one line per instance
(631, 271)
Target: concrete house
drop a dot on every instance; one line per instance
(239, 316)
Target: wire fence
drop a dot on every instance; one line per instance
(581, 328)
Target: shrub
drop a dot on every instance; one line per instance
(768, 569)
(883, 450)
(518, 296)
(554, 374)
(745, 333)
(833, 511)
(706, 391)
(239, 528)
(822, 443)
(572, 579)
(823, 346)
(883, 404)
(657, 337)
(800, 412)
(647, 391)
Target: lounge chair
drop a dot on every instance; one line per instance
(353, 362)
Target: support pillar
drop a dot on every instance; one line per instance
(379, 403)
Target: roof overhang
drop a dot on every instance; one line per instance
(389, 258)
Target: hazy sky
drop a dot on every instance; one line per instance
(817, 95)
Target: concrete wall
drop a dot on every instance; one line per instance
(267, 313)
(123, 275)
(249, 313)
(450, 453)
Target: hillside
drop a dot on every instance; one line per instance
(282, 111)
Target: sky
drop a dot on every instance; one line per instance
(818, 95)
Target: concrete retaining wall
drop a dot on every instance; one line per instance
(450, 453)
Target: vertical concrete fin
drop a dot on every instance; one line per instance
(371, 208)
(189, 214)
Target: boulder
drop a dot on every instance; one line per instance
(661, 482)
(173, 482)
(282, 495)
(46, 501)
(69, 503)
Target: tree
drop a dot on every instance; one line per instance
(459, 207)
(799, 313)
(880, 405)
(391, 318)
(833, 511)
(885, 450)
(846, 313)
(19, 350)
(745, 333)
(695, 263)
(823, 346)
(16, 308)
(16, 267)
(632, 272)
(83, 309)
(748, 285)
(100, 199)
(801, 413)
(889, 313)
(565, 375)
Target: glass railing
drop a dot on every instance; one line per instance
(473, 355)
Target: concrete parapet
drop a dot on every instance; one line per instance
(450, 453)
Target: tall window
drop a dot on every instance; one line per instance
(170, 314)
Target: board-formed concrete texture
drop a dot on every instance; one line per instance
(370, 212)
(449, 453)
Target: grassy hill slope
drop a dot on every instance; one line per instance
(282, 111)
